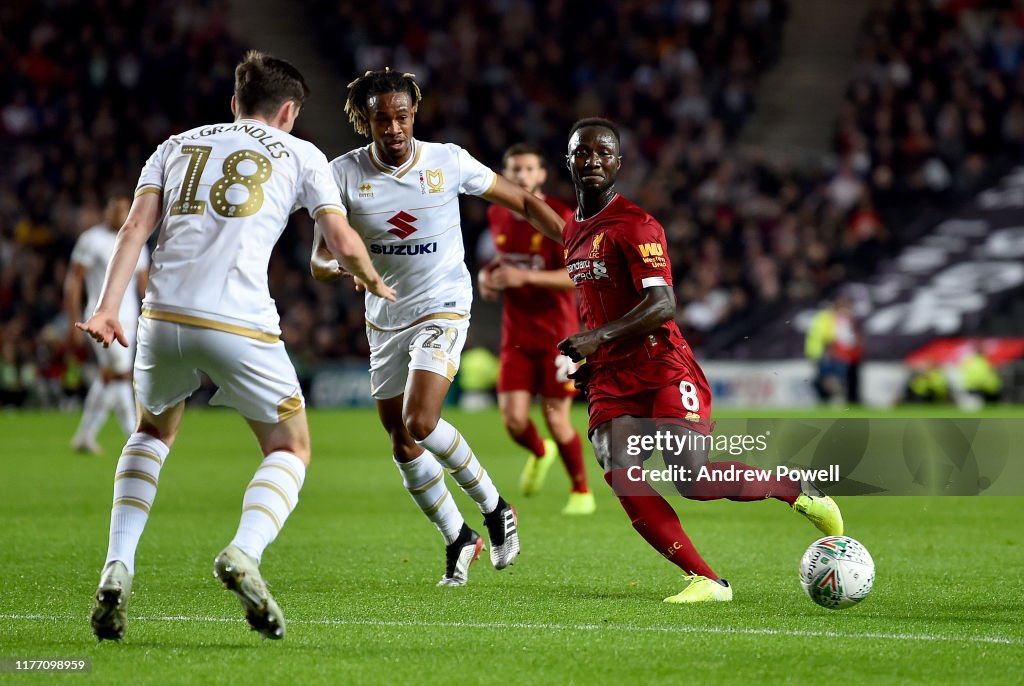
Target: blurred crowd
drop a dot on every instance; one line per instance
(678, 76)
(88, 92)
(936, 94)
(92, 88)
(935, 97)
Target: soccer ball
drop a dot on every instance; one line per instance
(837, 572)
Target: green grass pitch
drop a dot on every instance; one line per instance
(354, 571)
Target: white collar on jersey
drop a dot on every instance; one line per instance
(397, 172)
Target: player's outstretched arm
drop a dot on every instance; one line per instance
(506, 276)
(657, 307)
(338, 250)
(532, 208)
(103, 325)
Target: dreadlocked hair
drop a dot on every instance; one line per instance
(377, 83)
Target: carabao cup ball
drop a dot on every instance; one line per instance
(837, 572)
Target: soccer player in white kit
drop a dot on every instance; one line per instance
(111, 390)
(402, 197)
(221, 195)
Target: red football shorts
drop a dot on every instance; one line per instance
(541, 372)
(675, 393)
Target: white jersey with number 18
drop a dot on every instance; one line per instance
(228, 190)
(409, 219)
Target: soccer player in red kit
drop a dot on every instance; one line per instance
(538, 311)
(639, 366)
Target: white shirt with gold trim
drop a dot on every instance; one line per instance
(409, 219)
(228, 190)
(92, 251)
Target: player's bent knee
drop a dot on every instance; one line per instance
(692, 456)
(516, 423)
(420, 424)
(290, 436)
(561, 428)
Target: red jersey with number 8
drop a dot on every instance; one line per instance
(612, 257)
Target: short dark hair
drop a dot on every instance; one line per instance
(264, 83)
(377, 83)
(523, 149)
(596, 121)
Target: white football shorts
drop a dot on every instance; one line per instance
(434, 345)
(255, 377)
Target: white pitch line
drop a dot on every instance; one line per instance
(675, 629)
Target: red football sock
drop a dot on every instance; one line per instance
(530, 440)
(655, 520)
(785, 490)
(572, 458)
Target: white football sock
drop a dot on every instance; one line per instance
(270, 497)
(94, 412)
(424, 479)
(454, 453)
(135, 485)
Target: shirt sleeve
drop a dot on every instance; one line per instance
(152, 178)
(645, 248)
(318, 191)
(474, 177)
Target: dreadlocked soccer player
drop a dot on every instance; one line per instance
(402, 196)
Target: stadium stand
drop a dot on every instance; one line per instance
(934, 106)
(934, 111)
(89, 91)
(681, 84)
